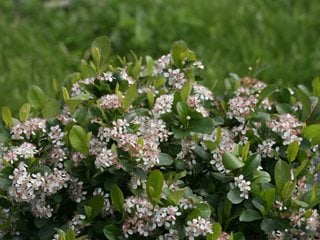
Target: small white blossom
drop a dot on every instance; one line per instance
(243, 185)
(198, 227)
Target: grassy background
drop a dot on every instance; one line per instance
(39, 43)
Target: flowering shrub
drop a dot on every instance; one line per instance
(143, 151)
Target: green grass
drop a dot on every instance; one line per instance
(38, 44)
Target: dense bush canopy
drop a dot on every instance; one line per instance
(142, 150)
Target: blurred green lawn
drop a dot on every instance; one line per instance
(40, 43)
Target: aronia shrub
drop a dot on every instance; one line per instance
(144, 151)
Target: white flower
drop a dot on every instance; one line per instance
(243, 185)
(198, 227)
(162, 105)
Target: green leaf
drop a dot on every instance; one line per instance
(154, 186)
(86, 69)
(36, 97)
(111, 232)
(185, 91)
(251, 164)
(79, 139)
(261, 177)
(150, 96)
(249, 215)
(201, 152)
(202, 210)
(202, 125)
(183, 110)
(150, 64)
(269, 197)
(5, 182)
(176, 195)
(65, 94)
(96, 203)
(51, 108)
(245, 151)
(231, 161)
(117, 197)
(306, 103)
(258, 205)
(180, 53)
(234, 196)
(281, 174)
(312, 133)
(102, 46)
(7, 116)
(312, 196)
(88, 211)
(316, 87)
(268, 225)
(287, 191)
(237, 236)
(130, 96)
(217, 230)
(24, 112)
(293, 150)
(70, 234)
(165, 159)
(266, 92)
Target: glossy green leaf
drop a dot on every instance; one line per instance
(176, 195)
(150, 63)
(117, 197)
(261, 177)
(316, 87)
(202, 210)
(267, 91)
(96, 203)
(216, 232)
(269, 197)
(130, 96)
(79, 139)
(101, 45)
(51, 108)
(186, 90)
(36, 97)
(180, 53)
(251, 164)
(281, 174)
(245, 151)
(231, 161)
(234, 196)
(292, 151)
(287, 191)
(165, 159)
(259, 205)
(183, 111)
(305, 101)
(312, 133)
(150, 97)
(7, 116)
(111, 232)
(24, 112)
(155, 183)
(202, 125)
(249, 215)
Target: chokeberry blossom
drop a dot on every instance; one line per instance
(243, 185)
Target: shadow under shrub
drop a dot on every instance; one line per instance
(144, 151)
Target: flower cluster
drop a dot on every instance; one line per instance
(243, 185)
(288, 127)
(35, 188)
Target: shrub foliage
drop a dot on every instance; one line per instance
(144, 151)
